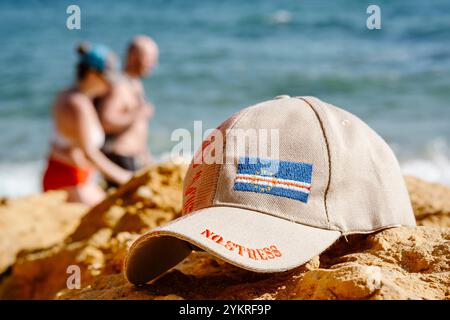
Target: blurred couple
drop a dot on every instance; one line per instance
(101, 122)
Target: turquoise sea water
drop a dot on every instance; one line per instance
(220, 56)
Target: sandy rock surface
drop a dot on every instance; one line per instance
(399, 263)
(35, 222)
(431, 202)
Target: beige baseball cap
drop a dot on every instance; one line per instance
(321, 174)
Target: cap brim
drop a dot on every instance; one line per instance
(251, 240)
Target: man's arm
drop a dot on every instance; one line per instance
(114, 113)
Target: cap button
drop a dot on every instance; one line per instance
(283, 96)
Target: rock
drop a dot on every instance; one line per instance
(41, 274)
(147, 200)
(351, 281)
(430, 201)
(397, 263)
(101, 240)
(35, 222)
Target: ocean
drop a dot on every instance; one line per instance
(217, 57)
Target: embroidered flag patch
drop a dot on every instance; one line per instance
(280, 178)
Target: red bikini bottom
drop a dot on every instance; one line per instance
(60, 175)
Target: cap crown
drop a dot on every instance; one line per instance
(334, 172)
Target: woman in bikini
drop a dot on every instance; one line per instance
(78, 136)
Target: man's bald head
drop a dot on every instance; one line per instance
(142, 56)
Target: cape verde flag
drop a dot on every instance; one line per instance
(279, 178)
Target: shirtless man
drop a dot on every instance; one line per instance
(125, 113)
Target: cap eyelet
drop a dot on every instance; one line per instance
(345, 122)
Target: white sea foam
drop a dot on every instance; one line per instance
(433, 165)
(20, 179)
(281, 17)
(429, 170)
